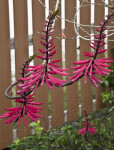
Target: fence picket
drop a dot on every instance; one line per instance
(86, 89)
(41, 94)
(21, 48)
(99, 90)
(110, 43)
(57, 99)
(6, 135)
(70, 56)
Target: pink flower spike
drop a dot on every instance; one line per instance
(12, 109)
(28, 78)
(52, 53)
(92, 47)
(105, 73)
(81, 62)
(43, 37)
(59, 72)
(82, 131)
(92, 130)
(50, 41)
(88, 54)
(47, 82)
(36, 104)
(42, 51)
(87, 127)
(43, 30)
(37, 83)
(25, 121)
(102, 51)
(54, 65)
(93, 81)
(54, 61)
(104, 69)
(97, 70)
(38, 66)
(43, 79)
(41, 57)
(31, 117)
(43, 43)
(106, 61)
(97, 80)
(96, 36)
(104, 65)
(51, 48)
(80, 70)
(77, 67)
(102, 44)
(98, 29)
(76, 78)
(55, 80)
(11, 119)
(101, 23)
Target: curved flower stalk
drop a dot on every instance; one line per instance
(92, 66)
(87, 127)
(26, 106)
(43, 73)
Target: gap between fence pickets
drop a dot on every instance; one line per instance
(50, 120)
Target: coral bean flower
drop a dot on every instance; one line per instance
(87, 127)
(92, 66)
(47, 71)
(25, 101)
(26, 107)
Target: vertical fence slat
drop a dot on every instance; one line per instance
(86, 89)
(98, 18)
(57, 99)
(6, 135)
(111, 43)
(42, 92)
(21, 48)
(70, 56)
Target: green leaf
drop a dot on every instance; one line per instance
(17, 141)
(35, 147)
(32, 124)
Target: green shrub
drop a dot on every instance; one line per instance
(67, 137)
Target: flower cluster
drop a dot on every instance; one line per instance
(25, 104)
(92, 66)
(43, 73)
(26, 107)
(34, 76)
(87, 127)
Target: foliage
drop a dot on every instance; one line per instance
(37, 127)
(67, 137)
(108, 95)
